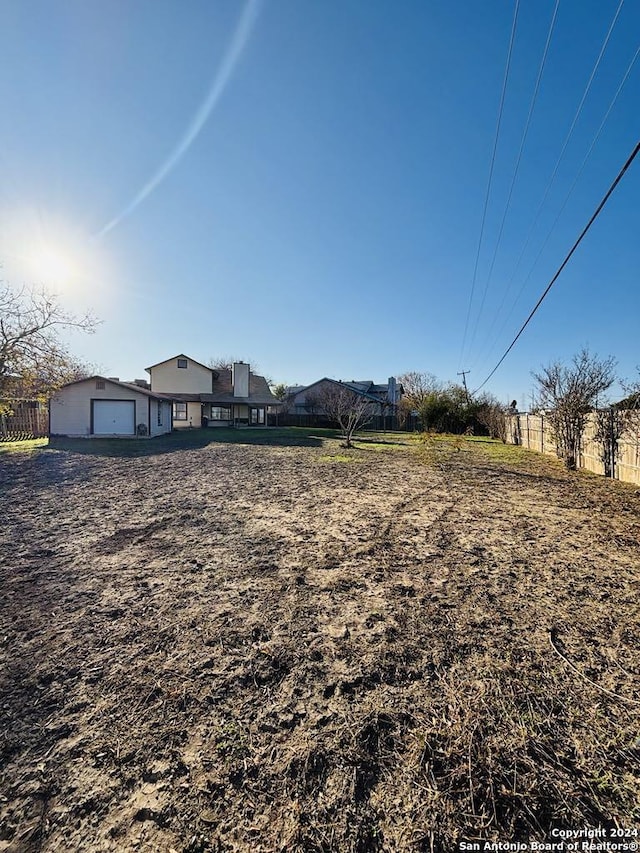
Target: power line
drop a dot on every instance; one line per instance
(566, 142)
(493, 160)
(517, 167)
(564, 204)
(565, 262)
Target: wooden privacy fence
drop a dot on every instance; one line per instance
(24, 424)
(618, 458)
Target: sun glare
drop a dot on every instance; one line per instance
(53, 266)
(41, 251)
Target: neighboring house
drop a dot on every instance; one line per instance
(307, 399)
(98, 406)
(204, 396)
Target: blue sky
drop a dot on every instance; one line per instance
(325, 218)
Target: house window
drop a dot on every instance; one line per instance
(179, 411)
(182, 362)
(220, 413)
(99, 384)
(256, 416)
(159, 413)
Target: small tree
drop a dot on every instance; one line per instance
(628, 410)
(491, 413)
(33, 359)
(349, 409)
(311, 403)
(610, 426)
(568, 394)
(279, 391)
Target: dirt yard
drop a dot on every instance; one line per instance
(294, 647)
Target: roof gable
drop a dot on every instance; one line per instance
(175, 358)
(130, 386)
(349, 385)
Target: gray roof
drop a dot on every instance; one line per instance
(355, 387)
(259, 392)
(131, 386)
(222, 392)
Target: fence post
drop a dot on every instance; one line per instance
(612, 444)
(541, 433)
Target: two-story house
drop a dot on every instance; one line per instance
(205, 396)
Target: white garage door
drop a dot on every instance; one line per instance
(114, 417)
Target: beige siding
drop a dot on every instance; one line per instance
(166, 415)
(169, 378)
(194, 417)
(241, 412)
(71, 407)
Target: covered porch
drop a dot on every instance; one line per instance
(219, 410)
(233, 414)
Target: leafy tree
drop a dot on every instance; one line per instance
(447, 409)
(34, 361)
(568, 393)
(279, 391)
(442, 408)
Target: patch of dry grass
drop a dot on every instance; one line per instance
(285, 655)
(27, 446)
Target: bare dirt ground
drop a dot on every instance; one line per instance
(299, 648)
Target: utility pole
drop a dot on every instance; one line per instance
(463, 373)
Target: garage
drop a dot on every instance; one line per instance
(114, 417)
(98, 407)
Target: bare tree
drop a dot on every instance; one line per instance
(348, 408)
(226, 362)
(491, 413)
(32, 355)
(417, 390)
(311, 403)
(610, 425)
(629, 410)
(568, 394)
(416, 387)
